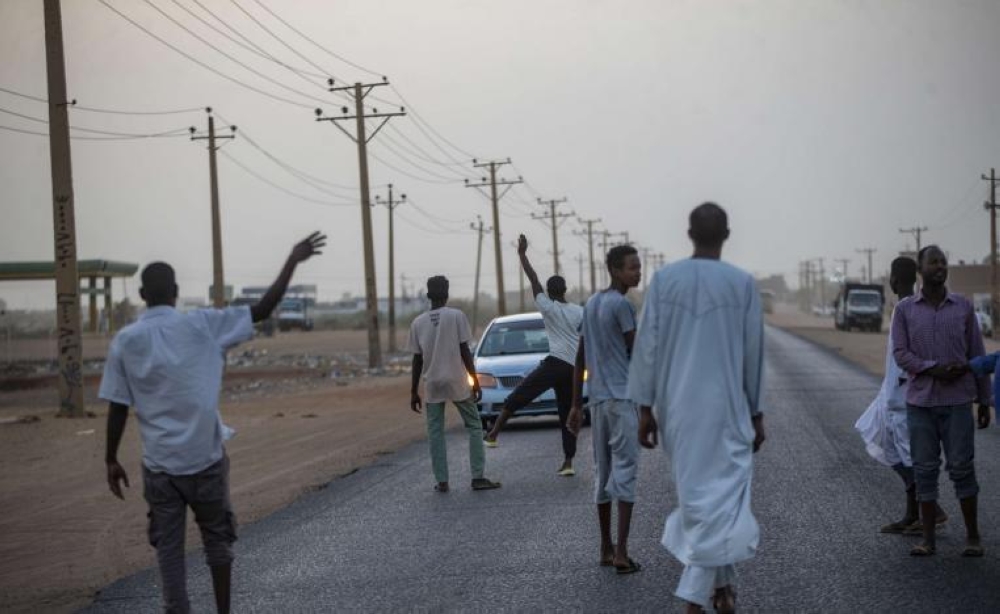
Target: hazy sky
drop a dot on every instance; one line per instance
(822, 126)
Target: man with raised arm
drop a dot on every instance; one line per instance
(168, 366)
(562, 326)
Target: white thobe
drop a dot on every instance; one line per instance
(698, 361)
(883, 425)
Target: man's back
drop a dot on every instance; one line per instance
(562, 326)
(607, 317)
(437, 335)
(703, 325)
(168, 365)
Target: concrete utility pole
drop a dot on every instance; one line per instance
(554, 220)
(358, 92)
(645, 251)
(843, 266)
(480, 230)
(869, 251)
(580, 259)
(70, 342)
(822, 282)
(590, 249)
(218, 277)
(991, 206)
(492, 182)
(391, 205)
(605, 238)
(916, 231)
(624, 236)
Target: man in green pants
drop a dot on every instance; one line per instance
(439, 340)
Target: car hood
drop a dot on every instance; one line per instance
(517, 364)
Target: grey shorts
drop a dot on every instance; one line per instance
(614, 426)
(207, 494)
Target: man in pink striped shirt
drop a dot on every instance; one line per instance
(934, 335)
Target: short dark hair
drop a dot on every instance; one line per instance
(159, 284)
(556, 285)
(617, 255)
(437, 287)
(923, 252)
(904, 269)
(708, 224)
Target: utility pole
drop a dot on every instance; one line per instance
(358, 92)
(605, 237)
(495, 198)
(579, 261)
(869, 251)
(554, 220)
(843, 266)
(70, 342)
(520, 281)
(218, 277)
(391, 206)
(590, 249)
(916, 231)
(822, 283)
(478, 227)
(624, 236)
(991, 206)
(645, 251)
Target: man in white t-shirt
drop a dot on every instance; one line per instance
(439, 340)
(168, 366)
(562, 326)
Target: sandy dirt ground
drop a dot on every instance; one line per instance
(63, 535)
(865, 349)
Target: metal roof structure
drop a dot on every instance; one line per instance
(11, 271)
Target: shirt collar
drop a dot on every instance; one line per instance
(948, 297)
(157, 312)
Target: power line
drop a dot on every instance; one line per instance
(248, 45)
(230, 57)
(77, 107)
(424, 155)
(96, 131)
(78, 137)
(319, 46)
(279, 39)
(281, 188)
(420, 119)
(215, 71)
(388, 145)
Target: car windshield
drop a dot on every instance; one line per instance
(291, 304)
(509, 338)
(864, 299)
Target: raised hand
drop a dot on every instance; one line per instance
(522, 244)
(308, 247)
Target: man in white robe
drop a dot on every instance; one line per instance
(698, 363)
(883, 425)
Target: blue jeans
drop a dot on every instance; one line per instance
(952, 428)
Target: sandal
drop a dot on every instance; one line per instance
(923, 550)
(973, 551)
(724, 600)
(631, 567)
(441, 487)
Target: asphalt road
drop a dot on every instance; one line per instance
(381, 540)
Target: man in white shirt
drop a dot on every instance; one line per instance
(168, 366)
(562, 326)
(439, 340)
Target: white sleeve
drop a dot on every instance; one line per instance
(464, 330)
(753, 349)
(543, 302)
(114, 384)
(642, 371)
(229, 326)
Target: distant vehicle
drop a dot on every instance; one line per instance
(985, 323)
(294, 313)
(510, 348)
(767, 301)
(859, 306)
(822, 310)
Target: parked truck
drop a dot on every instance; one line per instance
(294, 313)
(859, 306)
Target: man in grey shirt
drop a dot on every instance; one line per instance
(607, 334)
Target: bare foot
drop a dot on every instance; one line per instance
(724, 600)
(441, 487)
(694, 608)
(607, 555)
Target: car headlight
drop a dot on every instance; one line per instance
(485, 380)
(586, 374)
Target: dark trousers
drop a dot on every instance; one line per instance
(169, 496)
(557, 375)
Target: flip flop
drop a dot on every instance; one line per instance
(923, 550)
(632, 567)
(973, 551)
(441, 487)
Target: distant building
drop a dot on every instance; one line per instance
(775, 284)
